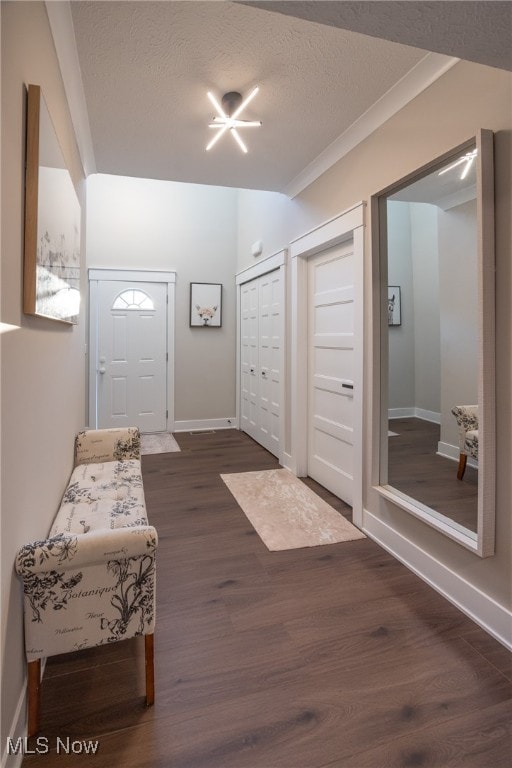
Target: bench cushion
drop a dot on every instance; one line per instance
(99, 496)
(115, 444)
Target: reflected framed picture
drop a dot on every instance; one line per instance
(51, 270)
(394, 305)
(205, 305)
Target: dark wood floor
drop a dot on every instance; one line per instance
(328, 657)
(415, 468)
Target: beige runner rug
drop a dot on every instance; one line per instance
(159, 442)
(286, 513)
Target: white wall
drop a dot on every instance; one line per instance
(413, 264)
(190, 228)
(459, 313)
(43, 362)
(401, 338)
(264, 216)
(425, 259)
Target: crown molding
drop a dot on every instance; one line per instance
(63, 32)
(423, 74)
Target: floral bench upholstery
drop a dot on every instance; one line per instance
(92, 581)
(467, 423)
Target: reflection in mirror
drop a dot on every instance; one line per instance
(52, 221)
(431, 342)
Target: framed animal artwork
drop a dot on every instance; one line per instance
(394, 305)
(205, 305)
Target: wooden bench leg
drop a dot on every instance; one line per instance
(150, 670)
(462, 466)
(34, 696)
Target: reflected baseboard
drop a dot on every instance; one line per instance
(452, 452)
(414, 413)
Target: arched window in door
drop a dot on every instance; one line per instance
(133, 299)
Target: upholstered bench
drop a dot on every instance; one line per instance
(92, 581)
(467, 423)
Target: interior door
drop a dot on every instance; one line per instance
(269, 360)
(331, 345)
(131, 376)
(260, 358)
(249, 379)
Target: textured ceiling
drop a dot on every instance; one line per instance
(146, 67)
(476, 31)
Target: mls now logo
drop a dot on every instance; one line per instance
(21, 746)
(42, 746)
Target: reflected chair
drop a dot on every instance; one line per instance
(467, 421)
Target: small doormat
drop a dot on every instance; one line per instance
(286, 513)
(160, 442)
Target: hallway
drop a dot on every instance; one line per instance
(328, 657)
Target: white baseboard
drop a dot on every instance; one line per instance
(400, 413)
(482, 609)
(194, 425)
(18, 730)
(432, 416)
(413, 412)
(450, 451)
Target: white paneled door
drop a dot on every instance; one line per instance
(331, 369)
(131, 366)
(249, 340)
(261, 339)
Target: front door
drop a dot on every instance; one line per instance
(131, 365)
(331, 369)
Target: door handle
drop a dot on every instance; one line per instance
(263, 373)
(348, 386)
(252, 370)
(101, 370)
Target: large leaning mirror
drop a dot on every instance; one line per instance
(435, 309)
(51, 273)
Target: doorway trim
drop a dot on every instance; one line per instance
(98, 275)
(348, 225)
(263, 267)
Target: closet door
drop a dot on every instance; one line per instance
(249, 395)
(269, 360)
(260, 355)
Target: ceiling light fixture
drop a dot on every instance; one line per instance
(468, 159)
(228, 119)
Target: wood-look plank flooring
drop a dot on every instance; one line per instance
(327, 657)
(415, 468)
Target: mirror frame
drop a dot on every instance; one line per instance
(483, 542)
(35, 100)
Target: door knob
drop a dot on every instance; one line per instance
(101, 370)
